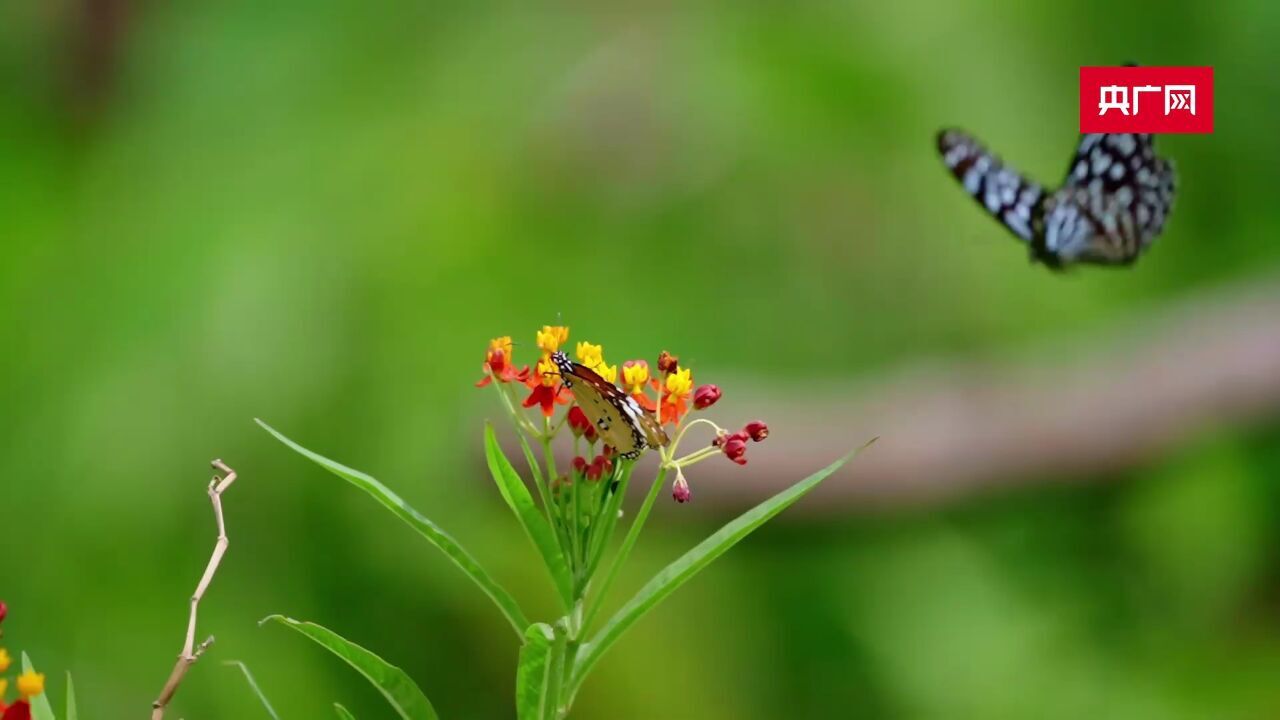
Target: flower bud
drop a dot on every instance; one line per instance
(705, 396)
(580, 465)
(579, 425)
(668, 363)
(733, 446)
(680, 489)
(757, 430)
(4, 610)
(598, 468)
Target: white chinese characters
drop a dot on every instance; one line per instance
(1117, 97)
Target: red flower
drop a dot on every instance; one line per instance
(546, 389)
(17, 711)
(497, 363)
(705, 396)
(4, 611)
(733, 446)
(757, 430)
(580, 465)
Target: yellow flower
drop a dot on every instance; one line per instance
(4, 660)
(608, 372)
(590, 355)
(4, 687)
(550, 337)
(547, 372)
(30, 683)
(500, 344)
(634, 375)
(679, 384)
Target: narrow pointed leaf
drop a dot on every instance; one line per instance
(72, 713)
(427, 529)
(688, 565)
(40, 707)
(535, 696)
(398, 688)
(343, 713)
(535, 524)
(253, 685)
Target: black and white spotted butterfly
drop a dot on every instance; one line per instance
(1113, 203)
(622, 423)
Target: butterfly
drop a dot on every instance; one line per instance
(1112, 205)
(622, 423)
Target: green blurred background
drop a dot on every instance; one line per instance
(318, 213)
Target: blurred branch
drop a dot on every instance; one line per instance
(1071, 412)
(1083, 408)
(190, 651)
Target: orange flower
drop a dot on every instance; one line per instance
(546, 388)
(679, 386)
(497, 363)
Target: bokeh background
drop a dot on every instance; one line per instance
(319, 212)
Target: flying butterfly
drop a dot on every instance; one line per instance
(1112, 205)
(622, 423)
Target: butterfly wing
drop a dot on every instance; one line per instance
(1113, 204)
(614, 427)
(1002, 191)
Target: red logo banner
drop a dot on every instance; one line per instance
(1146, 99)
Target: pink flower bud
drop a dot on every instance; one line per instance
(4, 610)
(705, 396)
(680, 489)
(757, 430)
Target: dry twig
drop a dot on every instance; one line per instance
(190, 650)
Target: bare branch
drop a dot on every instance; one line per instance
(190, 651)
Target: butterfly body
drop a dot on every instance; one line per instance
(618, 418)
(1112, 205)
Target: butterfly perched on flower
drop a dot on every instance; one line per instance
(618, 418)
(1112, 205)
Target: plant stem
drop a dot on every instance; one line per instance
(632, 534)
(607, 519)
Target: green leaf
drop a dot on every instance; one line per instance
(535, 525)
(343, 713)
(399, 690)
(253, 685)
(72, 713)
(537, 677)
(40, 707)
(680, 571)
(427, 529)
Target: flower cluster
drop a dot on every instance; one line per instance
(29, 684)
(667, 392)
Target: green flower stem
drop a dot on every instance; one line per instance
(627, 543)
(577, 533)
(540, 482)
(607, 519)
